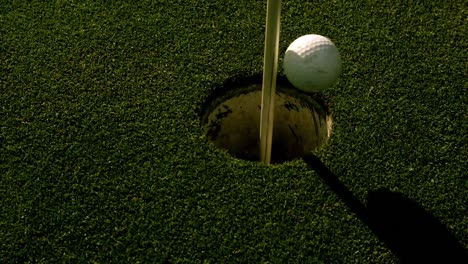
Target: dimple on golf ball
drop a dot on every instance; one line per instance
(312, 63)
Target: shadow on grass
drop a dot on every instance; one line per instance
(409, 231)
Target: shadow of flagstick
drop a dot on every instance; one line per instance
(410, 232)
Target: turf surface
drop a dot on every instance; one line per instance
(101, 153)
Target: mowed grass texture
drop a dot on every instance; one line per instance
(102, 157)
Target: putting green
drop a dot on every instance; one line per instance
(102, 156)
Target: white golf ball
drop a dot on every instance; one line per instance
(312, 63)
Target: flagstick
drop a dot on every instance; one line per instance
(270, 67)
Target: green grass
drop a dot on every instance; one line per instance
(101, 154)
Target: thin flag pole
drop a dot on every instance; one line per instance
(270, 67)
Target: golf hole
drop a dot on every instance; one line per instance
(231, 120)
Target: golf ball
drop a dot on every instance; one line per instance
(312, 63)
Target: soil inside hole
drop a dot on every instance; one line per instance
(302, 122)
